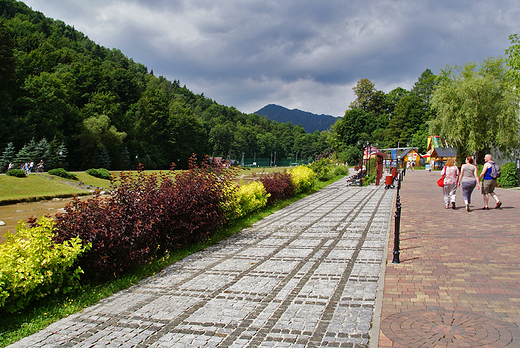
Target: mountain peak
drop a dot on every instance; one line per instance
(309, 121)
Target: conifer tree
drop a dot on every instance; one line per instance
(27, 153)
(41, 152)
(7, 157)
(104, 159)
(125, 159)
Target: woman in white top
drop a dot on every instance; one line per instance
(468, 179)
(450, 173)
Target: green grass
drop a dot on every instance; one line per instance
(88, 179)
(33, 188)
(14, 327)
(37, 187)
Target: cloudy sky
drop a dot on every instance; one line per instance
(305, 54)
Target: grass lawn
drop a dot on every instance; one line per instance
(36, 187)
(33, 188)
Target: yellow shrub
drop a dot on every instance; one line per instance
(32, 266)
(302, 178)
(251, 197)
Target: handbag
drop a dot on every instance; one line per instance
(440, 182)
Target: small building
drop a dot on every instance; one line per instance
(410, 155)
(440, 155)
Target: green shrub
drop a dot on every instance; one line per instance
(101, 173)
(251, 197)
(325, 174)
(508, 176)
(17, 173)
(322, 168)
(372, 172)
(32, 266)
(370, 179)
(341, 170)
(62, 173)
(302, 178)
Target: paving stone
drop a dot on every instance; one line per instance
(305, 276)
(458, 281)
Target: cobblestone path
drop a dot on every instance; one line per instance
(305, 276)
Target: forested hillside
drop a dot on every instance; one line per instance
(80, 105)
(309, 121)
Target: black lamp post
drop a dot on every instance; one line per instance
(518, 170)
(369, 153)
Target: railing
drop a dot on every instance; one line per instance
(397, 216)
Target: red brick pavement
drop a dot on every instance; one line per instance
(458, 283)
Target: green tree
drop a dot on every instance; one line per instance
(364, 91)
(351, 154)
(104, 103)
(46, 104)
(41, 151)
(513, 59)
(392, 98)
(7, 60)
(425, 86)
(186, 135)
(104, 160)
(26, 153)
(124, 162)
(7, 157)
(98, 134)
(406, 120)
(266, 144)
(349, 130)
(147, 137)
(477, 109)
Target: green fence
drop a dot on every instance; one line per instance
(272, 162)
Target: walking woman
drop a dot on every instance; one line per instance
(468, 179)
(450, 172)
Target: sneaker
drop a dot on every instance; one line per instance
(452, 205)
(499, 204)
(467, 208)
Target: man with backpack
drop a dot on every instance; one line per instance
(489, 175)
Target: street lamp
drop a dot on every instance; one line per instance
(58, 153)
(369, 153)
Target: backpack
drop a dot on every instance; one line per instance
(495, 171)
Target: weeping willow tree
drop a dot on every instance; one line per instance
(477, 109)
(513, 59)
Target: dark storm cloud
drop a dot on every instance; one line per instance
(300, 54)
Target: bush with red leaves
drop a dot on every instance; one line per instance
(278, 185)
(147, 215)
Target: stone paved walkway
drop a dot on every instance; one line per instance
(306, 276)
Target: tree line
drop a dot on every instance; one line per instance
(102, 109)
(58, 86)
(474, 109)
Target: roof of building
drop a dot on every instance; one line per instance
(445, 152)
